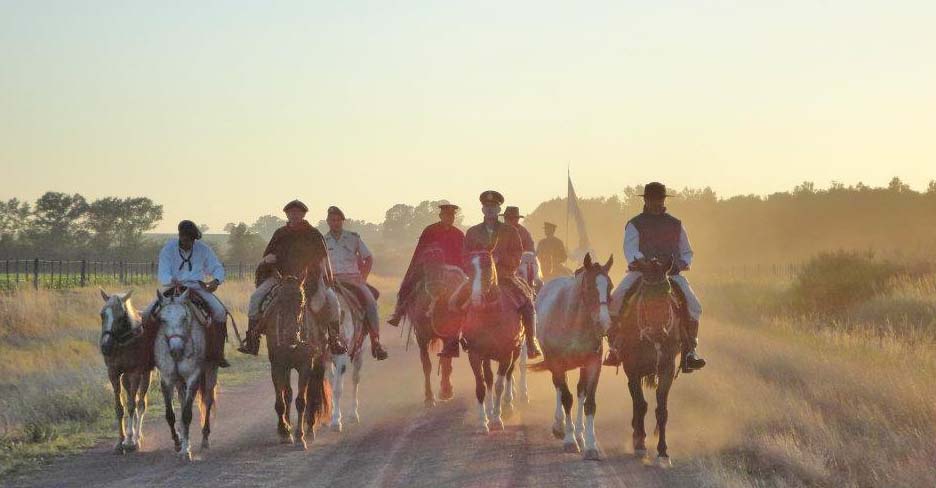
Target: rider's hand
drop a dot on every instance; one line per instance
(212, 285)
(269, 258)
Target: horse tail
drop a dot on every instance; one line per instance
(651, 381)
(319, 395)
(435, 345)
(203, 393)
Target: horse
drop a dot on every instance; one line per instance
(180, 358)
(433, 321)
(295, 343)
(492, 331)
(351, 332)
(529, 272)
(574, 317)
(125, 356)
(649, 337)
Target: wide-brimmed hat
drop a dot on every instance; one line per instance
(655, 190)
(187, 227)
(448, 207)
(296, 204)
(512, 212)
(549, 226)
(333, 210)
(491, 197)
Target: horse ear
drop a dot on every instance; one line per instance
(159, 297)
(128, 295)
(104, 294)
(607, 265)
(588, 261)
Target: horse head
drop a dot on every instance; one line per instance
(484, 275)
(656, 304)
(288, 308)
(529, 270)
(117, 319)
(176, 317)
(596, 290)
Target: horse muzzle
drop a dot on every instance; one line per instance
(176, 347)
(107, 344)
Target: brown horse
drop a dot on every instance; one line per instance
(295, 343)
(650, 338)
(492, 331)
(433, 320)
(128, 364)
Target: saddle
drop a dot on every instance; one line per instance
(196, 304)
(354, 300)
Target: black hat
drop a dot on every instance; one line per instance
(448, 206)
(491, 197)
(333, 210)
(187, 227)
(549, 225)
(296, 204)
(655, 190)
(512, 212)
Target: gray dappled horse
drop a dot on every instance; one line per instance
(492, 331)
(180, 358)
(573, 318)
(529, 272)
(124, 350)
(649, 338)
(294, 343)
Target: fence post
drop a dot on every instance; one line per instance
(36, 273)
(16, 268)
(84, 272)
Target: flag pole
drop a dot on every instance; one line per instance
(568, 201)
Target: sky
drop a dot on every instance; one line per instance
(225, 110)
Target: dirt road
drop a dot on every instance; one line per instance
(397, 443)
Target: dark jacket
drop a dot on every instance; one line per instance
(299, 252)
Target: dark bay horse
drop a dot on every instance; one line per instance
(574, 317)
(127, 361)
(294, 342)
(649, 337)
(433, 320)
(492, 330)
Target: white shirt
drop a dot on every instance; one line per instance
(632, 245)
(175, 263)
(345, 251)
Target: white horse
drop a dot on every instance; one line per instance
(180, 358)
(529, 272)
(574, 317)
(351, 331)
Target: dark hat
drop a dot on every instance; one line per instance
(448, 206)
(512, 212)
(333, 210)
(187, 227)
(491, 197)
(296, 204)
(549, 225)
(655, 190)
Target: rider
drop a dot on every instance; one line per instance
(296, 249)
(188, 262)
(551, 252)
(512, 216)
(504, 242)
(656, 233)
(352, 262)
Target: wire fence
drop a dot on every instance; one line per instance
(62, 274)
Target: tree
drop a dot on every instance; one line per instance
(56, 227)
(117, 225)
(244, 246)
(898, 186)
(266, 225)
(14, 218)
(931, 188)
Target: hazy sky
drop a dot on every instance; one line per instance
(225, 110)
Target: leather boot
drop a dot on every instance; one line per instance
(377, 350)
(397, 316)
(218, 330)
(528, 317)
(335, 345)
(691, 359)
(251, 343)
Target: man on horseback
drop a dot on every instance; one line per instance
(296, 249)
(352, 262)
(506, 246)
(655, 233)
(512, 217)
(187, 261)
(551, 252)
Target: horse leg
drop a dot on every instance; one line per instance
(478, 372)
(170, 413)
(337, 371)
(130, 384)
(497, 422)
(662, 411)
(188, 400)
(522, 391)
(280, 376)
(302, 389)
(565, 396)
(208, 394)
(427, 375)
(580, 409)
(489, 386)
(355, 384)
(114, 377)
(640, 411)
(591, 373)
(508, 405)
(558, 429)
(446, 391)
(141, 400)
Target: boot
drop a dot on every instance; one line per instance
(219, 338)
(397, 316)
(335, 345)
(450, 348)
(251, 343)
(528, 317)
(377, 350)
(613, 358)
(691, 359)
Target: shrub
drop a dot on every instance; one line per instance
(830, 283)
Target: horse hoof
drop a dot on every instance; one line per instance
(178, 447)
(523, 398)
(120, 449)
(497, 425)
(580, 440)
(301, 445)
(205, 444)
(570, 447)
(355, 419)
(664, 462)
(558, 432)
(336, 427)
(185, 457)
(508, 411)
(592, 455)
(430, 403)
(483, 430)
(640, 453)
(131, 448)
(446, 395)
(287, 439)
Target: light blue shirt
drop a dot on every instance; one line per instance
(188, 267)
